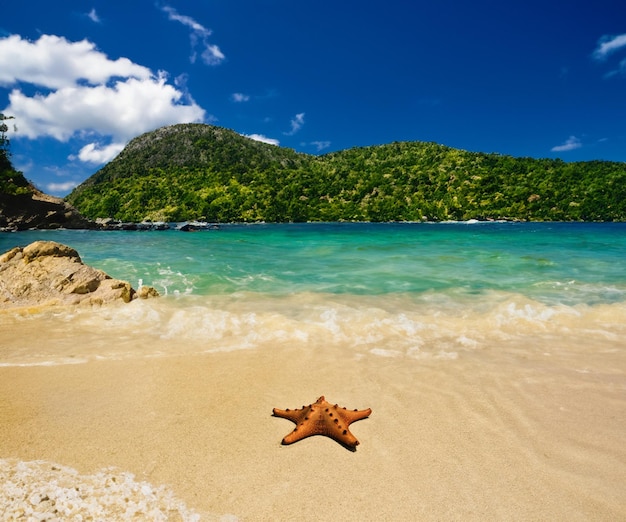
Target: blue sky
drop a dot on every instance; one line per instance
(540, 79)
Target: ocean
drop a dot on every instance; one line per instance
(498, 295)
(390, 290)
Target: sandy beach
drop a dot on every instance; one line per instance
(489, 436)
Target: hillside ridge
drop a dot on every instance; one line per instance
(199, 171)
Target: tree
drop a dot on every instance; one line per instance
(5, 154)
(11, 181)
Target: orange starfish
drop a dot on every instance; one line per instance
(322, 418)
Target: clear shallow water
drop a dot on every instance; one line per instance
(551, 263)
(412, 290)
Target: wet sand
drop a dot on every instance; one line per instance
(515, 435)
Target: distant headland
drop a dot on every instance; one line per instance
(188, 172)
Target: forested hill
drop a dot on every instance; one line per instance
(196, 171)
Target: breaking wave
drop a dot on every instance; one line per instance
(40, 490)
(435, 326)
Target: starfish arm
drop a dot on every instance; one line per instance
(345, 438)
(299, 433)
(337, 428)
(293, 415)
(351, 416)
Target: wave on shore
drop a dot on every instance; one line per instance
(40, 490)
(433, 327)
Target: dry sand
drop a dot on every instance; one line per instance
(484, 437)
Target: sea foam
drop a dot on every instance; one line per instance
(39, 490)
(436, 327)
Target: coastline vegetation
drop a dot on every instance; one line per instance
(12, 182)
(197, 171)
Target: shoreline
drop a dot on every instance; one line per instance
(111, 225)
(485, 437)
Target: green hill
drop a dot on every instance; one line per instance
(196, 171)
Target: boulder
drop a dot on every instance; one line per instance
(49, 273)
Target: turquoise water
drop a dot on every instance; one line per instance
(417, 291)
(551, 263)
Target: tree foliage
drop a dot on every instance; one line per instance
(195, 171)
(12, 182)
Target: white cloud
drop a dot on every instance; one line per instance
(261, 138)
(296, 124)
(54, 62)
(570, 144)
(94, 153)
(64, 188)
(239, 97)
(199, 35)
(119, 101)
(123, 110)
(608, 45)
(212, 55)
(93, 16)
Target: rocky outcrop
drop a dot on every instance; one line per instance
(49, 273)
(39, 210)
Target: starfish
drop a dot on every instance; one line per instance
(322, 418)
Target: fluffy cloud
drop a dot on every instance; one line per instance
(296, 124)
(570, 144)
(199, 35)
(88, 95)
(94, 153)
(261, 138)
(123, 110)
(54, 62)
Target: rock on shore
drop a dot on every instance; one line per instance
(39, 210)
(49, 273)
